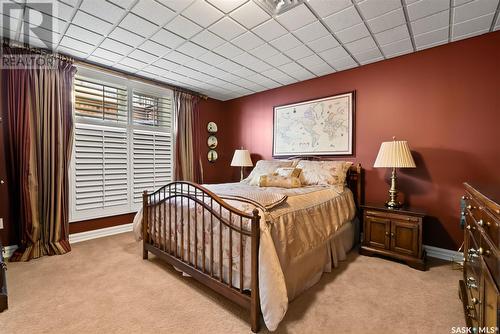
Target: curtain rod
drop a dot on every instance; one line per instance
(82, 62)
(18, 45)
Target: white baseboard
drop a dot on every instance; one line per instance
(103, 232)
(82, 236)
(443, 254)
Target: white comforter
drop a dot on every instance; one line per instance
(315, 213)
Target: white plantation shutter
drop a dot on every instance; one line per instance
(122, 145)
(100, 101)
(101, 169)
(152, 161)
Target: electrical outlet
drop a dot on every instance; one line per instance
(1, 223)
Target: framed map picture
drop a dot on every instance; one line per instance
(316, 127)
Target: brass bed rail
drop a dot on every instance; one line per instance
(167, 207)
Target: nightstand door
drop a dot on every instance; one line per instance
(377, 232)
(404, 237)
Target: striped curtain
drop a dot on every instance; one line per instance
(187, 166)
(38, 104)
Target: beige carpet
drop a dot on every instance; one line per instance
(104, 286)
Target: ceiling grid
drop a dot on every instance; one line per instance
(227, 49)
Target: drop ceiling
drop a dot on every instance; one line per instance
(231, 48)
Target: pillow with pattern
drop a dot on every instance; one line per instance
(265, 167)
(323, 172)
(273, 180)
(287, 172)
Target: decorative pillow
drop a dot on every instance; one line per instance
(323, 172)
(264, 167)
(272, 180)
(287, 171)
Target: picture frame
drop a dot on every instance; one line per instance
(321, 127)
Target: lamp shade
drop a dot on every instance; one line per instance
(394, 153)
(241, 158)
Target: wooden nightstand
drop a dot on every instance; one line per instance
(395, 233)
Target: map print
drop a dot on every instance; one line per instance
(321, 126)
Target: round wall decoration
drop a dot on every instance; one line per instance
(212, 127)
(212, 141)
(212, 155)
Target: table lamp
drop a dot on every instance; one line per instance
(241, 158)
(394, 154)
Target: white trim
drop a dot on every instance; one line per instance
(103, 232)
(9, 250)
(443, 254)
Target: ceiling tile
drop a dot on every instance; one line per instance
(130, 38)
(353, 33)
(424, 8)
(225, 5)
(76, 44)
(278, 59)
(273, 73)
(369, 56)
(115, 46)
(397, 48)
(269, 30)
(125, 68)
(108, 55)
(177, 57)
(302, 74)
(102, 9)
(166, 64)
(82, 34)
(285, 42)
(298, 52)
(291, 68)
(387, 21)
(296, 17)
(361, 45)
(142, 56)
(125, 4)
(167, 38)
(392, 35)
(154, 48)
(373, 8)
(183, 27)
(138, 25)
(343, 63)
(202, 13)
(309, 61)
(474, 9)
(432, 37)
(431, 22)
(247, 41)
(231, 66)
(176, 5)
(325, 8)
(321, 69)
(90, 22)
(207, 39)
(472, 26)
(71, 52)
(153, 11)
(343, 19)
(258, 66)
(191, 49)
(311, 32)
(323, 43)
(336, 53)
(133, 63)
(244, 72)
(228, 50)
(245, 59)
(264, 51)
(227, 28)
(99, 60)
(212, 58)
(250, 15)
(460, 2)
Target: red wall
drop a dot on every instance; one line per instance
(445, 101)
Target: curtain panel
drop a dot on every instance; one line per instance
(39, 110)
(187, 160)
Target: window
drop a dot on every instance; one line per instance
(122, 144)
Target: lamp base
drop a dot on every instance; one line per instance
(393, 203)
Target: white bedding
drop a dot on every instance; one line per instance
(300, 228)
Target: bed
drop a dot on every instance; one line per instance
(259, 247)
